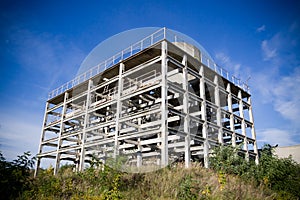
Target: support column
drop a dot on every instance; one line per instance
(85, 124)
(38, 162)
(164, 104)
(139, 157)
(61, 129)
(243, 125)
(253, 130)
(185, 85)
(203, 116)
(219, 117)
(229, 100)
(119, 109)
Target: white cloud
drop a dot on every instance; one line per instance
(19, 133)
(275, 136)
(268, 52)
(52, 56)
(52, 59)
(286, 94)
(261, 28)
(229, 65)
(294, 26)
(283, 92)
(278, 84)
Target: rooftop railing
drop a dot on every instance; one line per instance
(137, 47)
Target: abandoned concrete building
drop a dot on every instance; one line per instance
(158, 101)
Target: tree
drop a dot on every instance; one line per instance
(15, 175)
(282, 175)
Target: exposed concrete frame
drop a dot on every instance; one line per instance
(112, 122)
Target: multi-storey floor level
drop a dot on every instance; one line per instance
(152, 107)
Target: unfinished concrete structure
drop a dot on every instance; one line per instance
(158, 101)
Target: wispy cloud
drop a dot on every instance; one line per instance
(294, 26)
(286, 94)
(225, 61)
(52, 56)
(21, 136)
(261, 28)
(281, 79)
(268, 52)
(276, 136)
(278, 86)
(49, 60)
(282, 92)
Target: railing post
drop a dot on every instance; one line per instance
(151, 39)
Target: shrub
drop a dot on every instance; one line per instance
(280, 175)
(15, 176)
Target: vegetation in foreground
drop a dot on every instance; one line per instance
(230, 178)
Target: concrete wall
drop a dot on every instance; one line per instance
(284, 152)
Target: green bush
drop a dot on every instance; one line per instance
(226, 159)
(15, 176)
(280, 175)
(231, 177)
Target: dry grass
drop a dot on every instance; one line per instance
(193, 183)
(174, 182)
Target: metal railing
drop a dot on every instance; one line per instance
(146, 42)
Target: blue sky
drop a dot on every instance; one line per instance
(43, 43)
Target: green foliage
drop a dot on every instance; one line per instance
(225, 159)
(231, 178)
(113, 192)
(280, 175)
(15, 176)
(97, 182)
(186, 189)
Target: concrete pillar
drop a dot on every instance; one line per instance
(229, 100)
(119, 109)
(243, 125)
(139, 156)
(219, 113)
(164, 106)
(186, 125)
(85, 124)
(203, 116)
(253, 130)
(63, 112)
(38, 162)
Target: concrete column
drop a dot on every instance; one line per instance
(243, 125)
(253, 130)
(164, 106)
(229, 100)
(185, 85)
(119, 109)
(219, 117)
(139, 157)
(85, 124)
(139, 160)
(63, 112)
(203, 116)
(38, 162)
